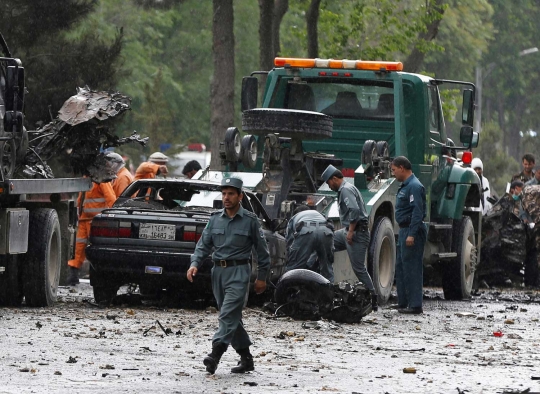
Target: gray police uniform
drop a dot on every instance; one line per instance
(307, 232)
(410, 212)
(353, 210)
(233, 240)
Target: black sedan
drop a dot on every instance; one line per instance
(148, 236)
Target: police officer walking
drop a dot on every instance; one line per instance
(232, 232)
(410, 212)
(354, 236)
(308, 232)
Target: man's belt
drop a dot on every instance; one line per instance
(230, 263)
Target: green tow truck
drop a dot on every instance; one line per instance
(358, 115)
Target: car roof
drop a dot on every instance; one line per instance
(179, 182)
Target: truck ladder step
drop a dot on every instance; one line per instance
(439, 226)
(449, 255)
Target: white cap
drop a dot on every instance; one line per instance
(477, 163)
(158, 157)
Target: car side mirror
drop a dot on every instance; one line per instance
(250, 90)
(467, 112)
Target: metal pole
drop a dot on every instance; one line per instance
(478, 83)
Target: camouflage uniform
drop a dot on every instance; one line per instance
(522, 177)
(531, 204)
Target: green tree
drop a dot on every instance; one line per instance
(55, 65)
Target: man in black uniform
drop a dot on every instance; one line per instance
(410, 212)
(232, 232)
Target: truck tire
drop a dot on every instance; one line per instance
(458, 274)
(8, 158)
(43, 260)
(11, 289)
(104, 288)
(369, 152)
(304, 125)
(383, 152)
(382, 258)
(248, 153)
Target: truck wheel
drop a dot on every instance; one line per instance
(382, 150)
(104, 288)
(232, 144)
(43, 260)
(382, 258)
(8, 158)
(10, 281)
(458, 274)
(369, 152)
(304, 125)
(248, 153)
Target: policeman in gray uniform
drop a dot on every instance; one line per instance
(308, 232)
(354, 236)
(233, 232)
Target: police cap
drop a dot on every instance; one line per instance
(232, 182)
(328, 173)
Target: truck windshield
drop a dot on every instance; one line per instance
(365, 99)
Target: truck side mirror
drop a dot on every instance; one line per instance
(250, 90)
(14, 88)
(466, 136)
(475, 139)
(467, 112)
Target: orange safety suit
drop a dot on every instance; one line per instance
(95, 200)
(147, 170)
(123, 180)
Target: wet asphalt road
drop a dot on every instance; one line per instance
(77, 347)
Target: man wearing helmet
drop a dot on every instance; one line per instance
(156, 165)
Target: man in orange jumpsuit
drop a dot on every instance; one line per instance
(153, 167)
(90, 203)
(123, 176)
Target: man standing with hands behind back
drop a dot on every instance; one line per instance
(354, 236)
(232, 232)
(410, 213)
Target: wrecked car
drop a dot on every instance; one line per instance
(148, 236)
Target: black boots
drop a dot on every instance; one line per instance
(246, 362)
(212, 360)
(73, 276)
(374, 303)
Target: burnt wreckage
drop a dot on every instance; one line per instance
(82, 129)
(305, 295)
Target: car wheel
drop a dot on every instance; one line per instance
(458, 274)
(303, 125)
(43, 261)
(382, 258)
(104, 288)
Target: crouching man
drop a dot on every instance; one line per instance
(232, 232)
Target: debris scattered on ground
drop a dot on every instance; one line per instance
(409, 370)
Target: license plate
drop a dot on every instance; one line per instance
(157, 231)
(153, 270)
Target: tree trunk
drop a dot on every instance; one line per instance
(414, 61)
(266, 43)
(222, 87)
(312, 21)
(280, 9)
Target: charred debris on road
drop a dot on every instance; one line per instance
(82, 129)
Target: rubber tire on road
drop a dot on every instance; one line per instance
(304, 125)
(457, 275)
(369, 152)
(104, 288)
(11, 289)
(44, 258)
(249, 149)
(382, 258)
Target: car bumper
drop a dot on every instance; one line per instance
(159, 268)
